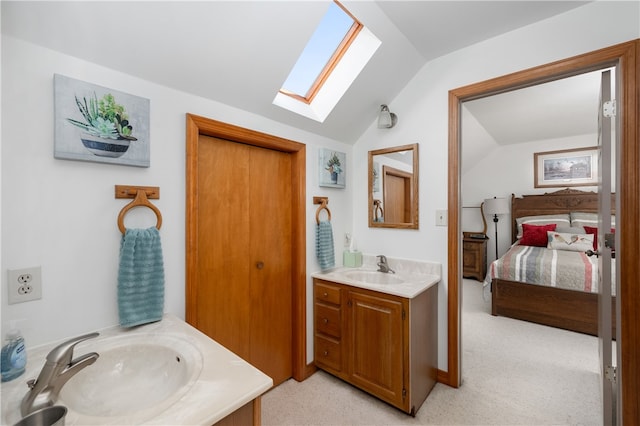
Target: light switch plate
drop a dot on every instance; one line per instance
(441, 218)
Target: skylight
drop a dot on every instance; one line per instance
(332, 37)
(337, 52)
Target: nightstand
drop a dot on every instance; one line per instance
(474, 257)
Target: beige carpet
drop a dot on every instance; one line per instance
(514, 373)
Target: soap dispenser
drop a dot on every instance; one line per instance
(14, 355)
(352, 258)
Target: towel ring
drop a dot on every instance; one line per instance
(140, 201)
(323, 206)
(377, 210)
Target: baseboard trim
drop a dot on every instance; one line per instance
(307, 372)
(444, 378)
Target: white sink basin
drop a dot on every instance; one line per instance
(373, 277)
(133, 377)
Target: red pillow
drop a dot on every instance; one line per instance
(594, 230)
(535, 235)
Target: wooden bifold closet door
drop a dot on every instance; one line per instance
(244, 252)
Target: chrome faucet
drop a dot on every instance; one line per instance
(383, 266)
(57, 370)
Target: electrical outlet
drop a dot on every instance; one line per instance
(441, 218)
(24, 285)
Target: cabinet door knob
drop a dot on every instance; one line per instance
(260, 264)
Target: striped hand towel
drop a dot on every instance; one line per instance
(324, 245)
(140, 277)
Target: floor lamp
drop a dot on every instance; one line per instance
(496, 206)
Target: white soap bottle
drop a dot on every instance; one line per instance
(14, 355)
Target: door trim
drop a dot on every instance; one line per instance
(196, 126)
(627, 57)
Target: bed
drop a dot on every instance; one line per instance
(564, 293)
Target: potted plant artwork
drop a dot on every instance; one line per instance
(333, 166)
(107, 131)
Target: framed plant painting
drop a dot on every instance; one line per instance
(94, 123)
(567, 167)
(332, 167)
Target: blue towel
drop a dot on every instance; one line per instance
(324, 245)
(140, 277)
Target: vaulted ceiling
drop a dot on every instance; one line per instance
(240, 52)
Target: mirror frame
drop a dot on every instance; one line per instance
(414, 193)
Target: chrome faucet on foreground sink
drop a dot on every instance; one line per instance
(57, 370)
(383, 266)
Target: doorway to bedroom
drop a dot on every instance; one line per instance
(501, 137)
(622, 55)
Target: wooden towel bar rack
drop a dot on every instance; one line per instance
(141, 196)
(323, 201)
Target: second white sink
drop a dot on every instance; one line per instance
(133, 376)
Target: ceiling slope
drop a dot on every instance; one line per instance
(240, 52)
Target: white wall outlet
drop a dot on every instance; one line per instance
(24, 285)
(441, 218)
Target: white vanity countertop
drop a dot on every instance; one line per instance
(226, 382)
(416, 276)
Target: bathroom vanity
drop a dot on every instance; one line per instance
(201, 382)
(378, 332)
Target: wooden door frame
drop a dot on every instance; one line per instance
(196, 126)
(627, 57)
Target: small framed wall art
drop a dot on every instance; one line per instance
(332, 168)
(567, 167)
(94, 123)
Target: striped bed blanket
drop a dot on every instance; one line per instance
(540, 265)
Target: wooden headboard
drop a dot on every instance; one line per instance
(562, 201)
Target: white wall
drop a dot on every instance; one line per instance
(422, 108)
(61, 214)
(504, 171)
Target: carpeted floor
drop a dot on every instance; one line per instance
(514, 373)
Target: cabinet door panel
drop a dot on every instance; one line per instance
(376, 345)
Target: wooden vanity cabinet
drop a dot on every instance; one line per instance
(384, 344)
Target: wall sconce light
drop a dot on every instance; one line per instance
(386, 119)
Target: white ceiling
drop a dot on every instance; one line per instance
(239, 52)
(561, 108)
(553, 110)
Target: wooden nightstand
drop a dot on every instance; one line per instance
(474, 257)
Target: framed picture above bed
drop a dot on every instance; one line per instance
(567, 167)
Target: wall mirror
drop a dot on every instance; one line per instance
(393, 187)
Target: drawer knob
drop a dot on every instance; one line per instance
(325, 320)
(325, 294)
(326, 353)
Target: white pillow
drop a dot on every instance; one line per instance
(558, 219)
(582, 219)
(569, 241)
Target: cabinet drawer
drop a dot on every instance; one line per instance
(327, 293)
(328, 353)
(327, 319)
(470, 246)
